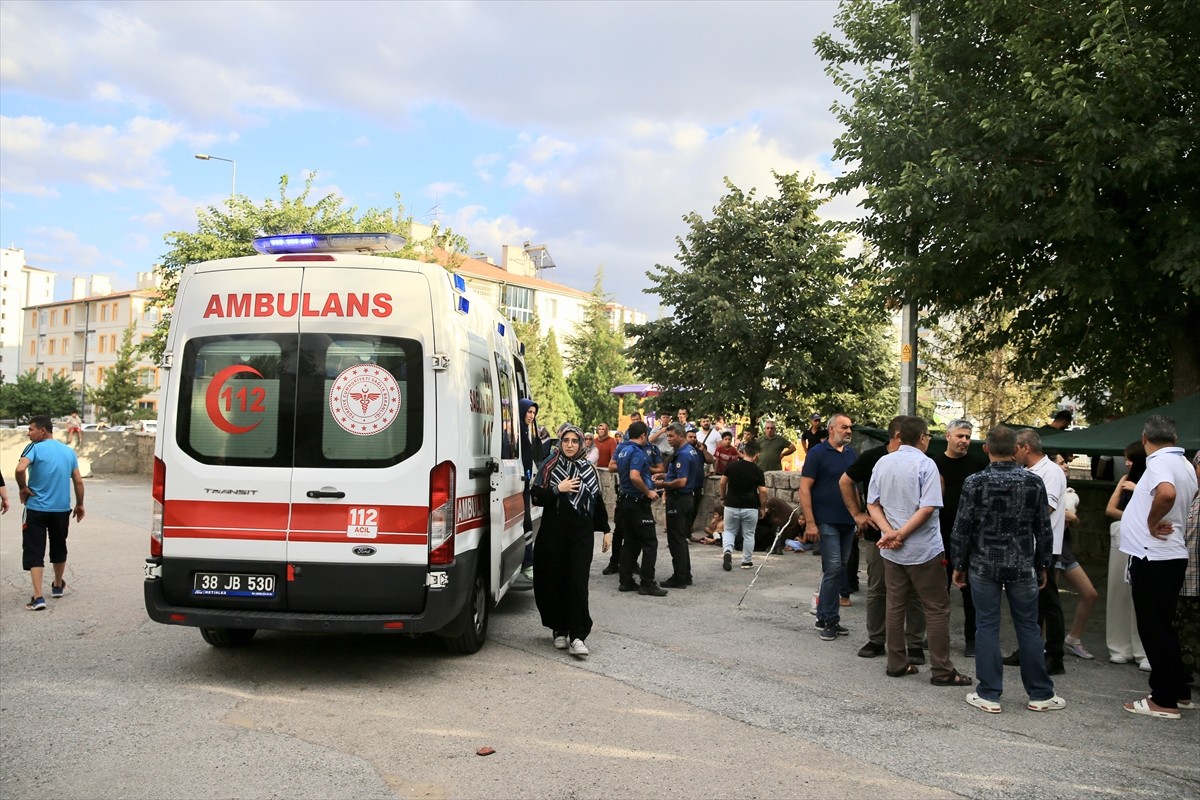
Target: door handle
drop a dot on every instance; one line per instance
(317, 493)
(487, 469)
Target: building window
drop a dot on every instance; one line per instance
(148, 377)
(66, 316)
(66, 345)
(147, 405)
(104, 312)
(517, 302)
(112, 342)
(99, 375)
(103, 343)
(53, 344)
(33, 348)
(54, 318)
(114, 312)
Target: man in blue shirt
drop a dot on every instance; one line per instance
(635, 493)
(1003, 539)
(828, 518)
(45, 473)
(683, 477)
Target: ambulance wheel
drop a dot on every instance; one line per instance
(471, 624)
(228, 637)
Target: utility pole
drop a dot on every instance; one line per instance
(908, 316)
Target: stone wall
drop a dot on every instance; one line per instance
(103, 453)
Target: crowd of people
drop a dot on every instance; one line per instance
(987, 527)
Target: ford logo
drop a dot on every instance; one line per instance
(364, 550)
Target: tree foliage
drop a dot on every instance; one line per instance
(545, 370)
(984, 382)
(116, 399)
(768, 315)
(596, 356)
(1031, 167)
(229, 232)
(29, 397)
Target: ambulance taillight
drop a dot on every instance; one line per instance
(156, 516)
(441, 514)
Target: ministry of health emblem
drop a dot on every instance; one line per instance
(364, 400)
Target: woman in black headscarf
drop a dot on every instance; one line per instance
(568, 489)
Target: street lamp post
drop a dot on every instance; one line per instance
(233, 187)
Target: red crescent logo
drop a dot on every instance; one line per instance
(212, 399)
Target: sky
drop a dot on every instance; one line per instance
(591, 128)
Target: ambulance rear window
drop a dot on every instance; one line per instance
(361, 403)
(314, 400)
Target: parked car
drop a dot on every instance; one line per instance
(94, 426)
(148, 426)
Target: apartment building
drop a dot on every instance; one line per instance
(20, 285)
(80, 339)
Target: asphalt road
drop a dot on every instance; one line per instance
(684, 696)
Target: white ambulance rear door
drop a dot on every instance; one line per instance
(365, 438)
(228, 440)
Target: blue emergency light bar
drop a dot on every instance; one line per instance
(287, 244)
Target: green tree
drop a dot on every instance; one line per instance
(984, 381)
(596, 356)
(29, 397)
(116, 399)
(544, 368)
(229, 232)
(1034, 162)
(768, 313)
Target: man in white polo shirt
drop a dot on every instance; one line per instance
(1152, 531)
(1029, 455)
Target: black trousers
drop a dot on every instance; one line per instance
(1050, 614)
(679, 516)
(637, 520)
(697, 496)
(618, 537)
(968, 603)
(1155, 587)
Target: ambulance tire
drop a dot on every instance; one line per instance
(470, 626)
(228, 637)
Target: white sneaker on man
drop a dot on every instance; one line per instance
(578, 648)
(560, 641)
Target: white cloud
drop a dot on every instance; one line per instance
(37, 152)
(52, 247)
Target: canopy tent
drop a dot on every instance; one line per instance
(1110, 438)
(642, 390)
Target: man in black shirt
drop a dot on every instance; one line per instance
(743, 490)
(815, 434)
(859, 475)
(955, 466)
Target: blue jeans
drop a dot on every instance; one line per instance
(836, 541)
(1023, 606)
(743, 520)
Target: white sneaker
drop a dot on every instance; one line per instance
(560, 642)
(990, 706)
(578, 648)
(1055, 703)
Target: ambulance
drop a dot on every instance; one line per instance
(337, 447)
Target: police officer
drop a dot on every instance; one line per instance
(634, 495)
(684, 476)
